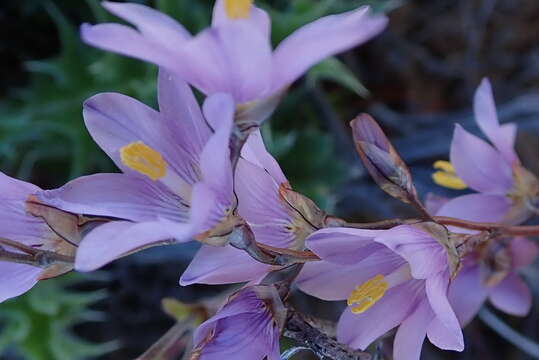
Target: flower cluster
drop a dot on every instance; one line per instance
(202, 173)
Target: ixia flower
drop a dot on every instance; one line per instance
(507, 191)
(234, 55)
(277, 215)
(177, 177)
(397, 277)
(20, 226)
(246, 328)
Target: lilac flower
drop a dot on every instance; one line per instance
(18, 225)
(476, 282)
(177, 177)
(246, 328)
(262, 190)
(507, 191)
(397, 277)
(234, 55)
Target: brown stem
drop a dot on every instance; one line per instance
(299, 329)
(32, 256)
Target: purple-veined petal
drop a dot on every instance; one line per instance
(258, 19)
(255, 152)
(320, 39)
(437, 287)
(116, 120)
(425, 255)
(222, 265)
(466, 294)
(359, 330)
(330, 281)
(411, 333)
(178, 106)
(117, 195)
(478, 164)
(512, 296)
(523, 251)
(16, 279)
(231, 58)
(127, 41)
(116, 239)
(260, 205)
(344, 245)
(487, 119)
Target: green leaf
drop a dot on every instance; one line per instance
(334, 70)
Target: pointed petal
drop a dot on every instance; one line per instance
(260, 205)
(523, 252)
(16, 279)
(115, 120)
(178, 105)
(467, 294)
(487, 119)
(425, 255)
(255, 152)
(358, 331)
(117, 195)
(437, 288)
(258, 19)
(330, 281)
(116, 239)
(512, 296)
(222, 265)
(231, 58)
(485, 171)
(344, 245)
(411, 334)
(321, 39)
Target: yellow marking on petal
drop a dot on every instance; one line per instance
(238, 9)
(447, 176)
(367, 294)
(142, 158)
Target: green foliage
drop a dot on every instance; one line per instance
(37, 324)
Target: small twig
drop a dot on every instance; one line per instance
(297, 328)
(525, 344)
(32, 256)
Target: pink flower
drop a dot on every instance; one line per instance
(391, 278)
(234, 55)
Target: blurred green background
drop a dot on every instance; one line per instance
(417, 79)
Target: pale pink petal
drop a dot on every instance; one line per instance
(222, 265)
(467, 294)
(436, 287)
(487, 119)
(411, 334)
(485, 171)
(512, 296)
(425, 255)
(320, 39)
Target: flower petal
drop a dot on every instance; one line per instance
(321, 39)
(255, 152)
(512, 296)
(425, 255)
(116, 239)
(222, 265)
(485, 171)
(117, 195)
(523, 251)
(344, 245)
(16, 279)
(411, 334)
(466, 294)
(487, 119)
(231, 58)
(437, 288)
(258, 19)
(358, 331)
